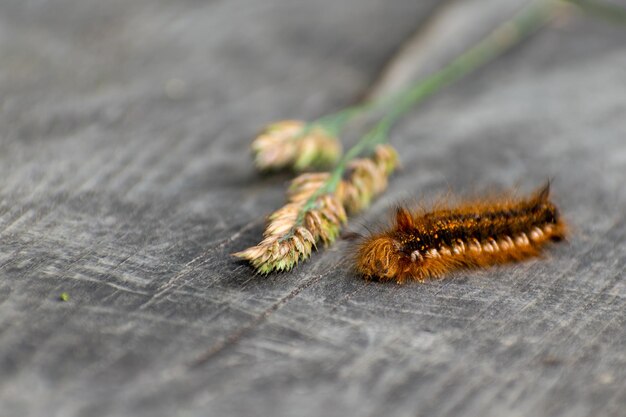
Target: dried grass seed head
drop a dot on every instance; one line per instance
(367, 177)
(289, 239)
(296, 145)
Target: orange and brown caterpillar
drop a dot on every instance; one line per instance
(429, 244)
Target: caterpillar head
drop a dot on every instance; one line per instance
(380, 257)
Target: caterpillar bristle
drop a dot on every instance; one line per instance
(423, 244)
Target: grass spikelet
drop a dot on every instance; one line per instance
(315, 212)
(294, 144)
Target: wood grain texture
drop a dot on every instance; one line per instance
(125, 181)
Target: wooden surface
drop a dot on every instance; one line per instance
(125, 180)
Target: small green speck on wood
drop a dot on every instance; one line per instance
(64, 296)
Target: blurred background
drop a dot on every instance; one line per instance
(126, 182)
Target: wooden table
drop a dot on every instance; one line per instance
(126, 181)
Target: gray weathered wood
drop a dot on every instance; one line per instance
(125, 180)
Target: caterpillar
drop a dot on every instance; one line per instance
(429, 244)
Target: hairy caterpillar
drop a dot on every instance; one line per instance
(429, 244)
